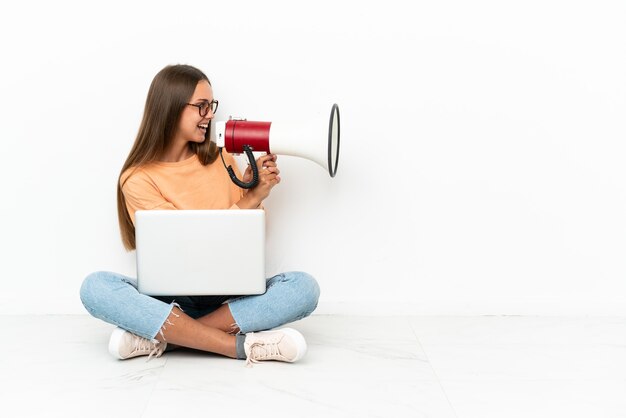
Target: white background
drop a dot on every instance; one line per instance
(482, 151)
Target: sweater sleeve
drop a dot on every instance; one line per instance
(141, 193)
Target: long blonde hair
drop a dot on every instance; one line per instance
(169, 93)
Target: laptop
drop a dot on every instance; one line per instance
(200, 252)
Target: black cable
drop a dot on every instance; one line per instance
(255, 170)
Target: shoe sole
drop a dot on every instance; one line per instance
(298, 340)
(114, 342)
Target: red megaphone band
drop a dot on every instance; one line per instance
(238, 133)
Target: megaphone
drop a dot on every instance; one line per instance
(243, 136)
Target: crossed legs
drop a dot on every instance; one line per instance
(213, 332)
(114, 298)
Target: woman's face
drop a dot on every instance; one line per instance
(192, 126)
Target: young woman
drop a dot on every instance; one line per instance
(172, 166)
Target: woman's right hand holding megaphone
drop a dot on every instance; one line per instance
(268, 178)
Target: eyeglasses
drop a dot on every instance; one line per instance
(203, 108)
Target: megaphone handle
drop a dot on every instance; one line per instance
(255, 170)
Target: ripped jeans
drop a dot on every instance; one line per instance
(114, 298)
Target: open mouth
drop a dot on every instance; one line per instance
(204, 126)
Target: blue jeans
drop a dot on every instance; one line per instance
(114, 299)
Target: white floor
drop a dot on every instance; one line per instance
(501, 367)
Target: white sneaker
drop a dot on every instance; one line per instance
(125, 345)
(285, 344)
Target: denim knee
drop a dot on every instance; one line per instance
(308, 290)
(91, 289)
(113, 298)
(289, 297)
(96, 288)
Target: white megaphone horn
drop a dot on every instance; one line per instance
(243, 136)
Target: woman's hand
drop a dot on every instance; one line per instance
(268, 178)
